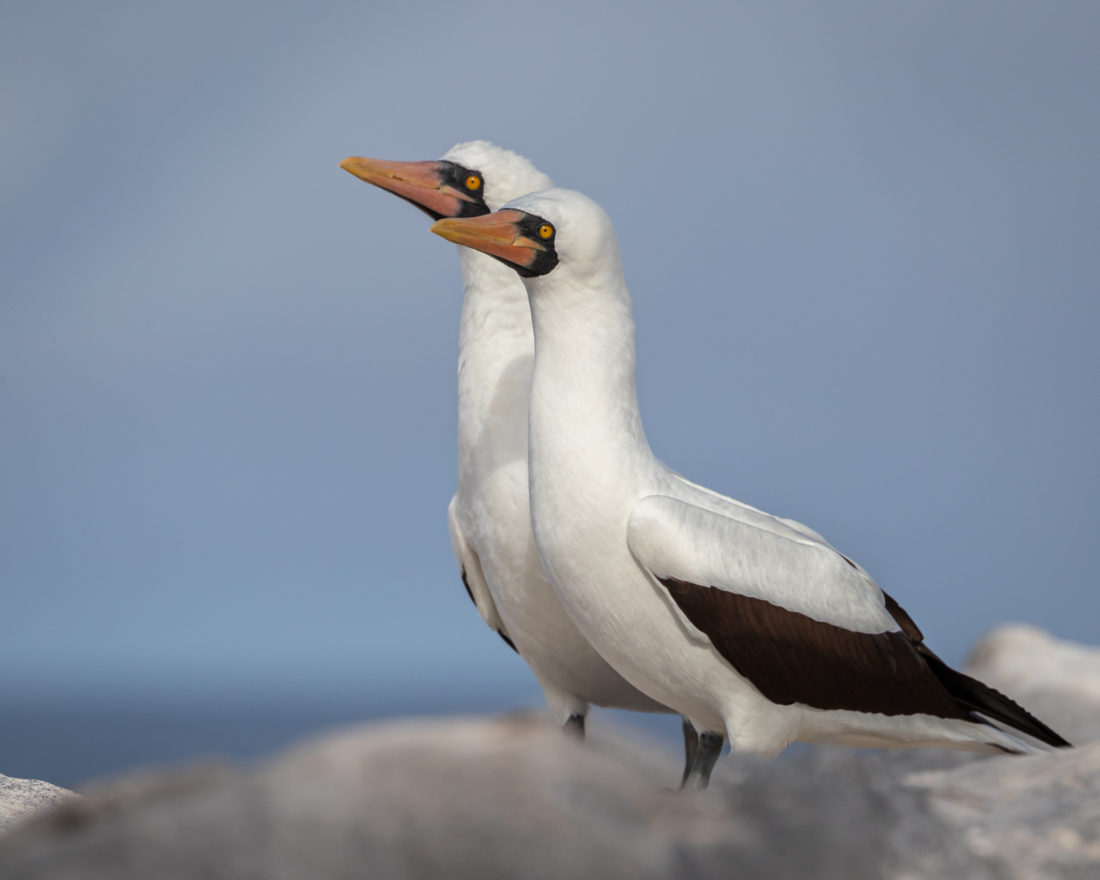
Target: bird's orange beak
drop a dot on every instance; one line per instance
(497, 235)
(424, 184)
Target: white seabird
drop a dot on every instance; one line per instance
(490, 520)
(751, 626)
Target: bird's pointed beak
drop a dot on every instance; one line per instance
(424, 184)
(497, 235)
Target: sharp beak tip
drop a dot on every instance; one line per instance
(442, 227)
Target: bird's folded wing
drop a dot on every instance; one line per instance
(472, 576)
(784, 609)
(719, 503)
(744, 551)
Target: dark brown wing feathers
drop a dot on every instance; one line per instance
(793, 658)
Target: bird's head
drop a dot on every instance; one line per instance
(536, 233)
(471, 179)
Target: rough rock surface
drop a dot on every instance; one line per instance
(515, 798)
(22, 798)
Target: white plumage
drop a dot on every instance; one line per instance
(489, 516)
(752, 626)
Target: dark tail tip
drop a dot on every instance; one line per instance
(990, 703)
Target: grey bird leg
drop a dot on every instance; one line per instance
(691, 748)
(710, 747)
(574, 725)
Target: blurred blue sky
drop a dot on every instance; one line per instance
(863, 241)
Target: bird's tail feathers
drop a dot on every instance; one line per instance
(990, 707)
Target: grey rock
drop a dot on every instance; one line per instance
(457, 798)
(515, 798)
(22, 798)
(1027, 818)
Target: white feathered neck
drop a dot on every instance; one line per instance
(495, 340)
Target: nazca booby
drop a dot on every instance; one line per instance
(490, 520)
(753, 627)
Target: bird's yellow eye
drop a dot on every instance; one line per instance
(473, 182)
(545, 231)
